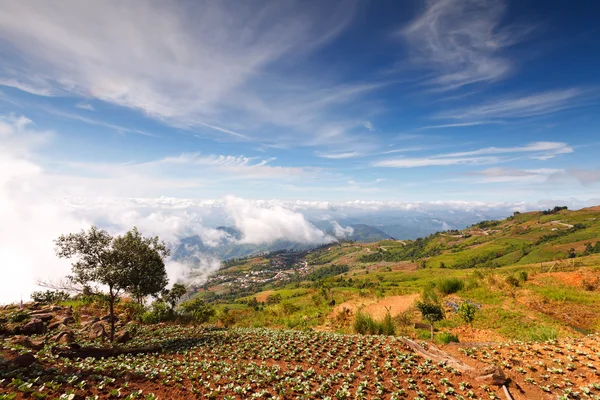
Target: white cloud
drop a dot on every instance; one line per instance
(369, 125)
(341, 232)
(585, 176)
(458, 125)
(338, 156)
(267, 223)
(488, 155)
(497, 175)
(461, 41)
(85, 106)
(522, 106)
(194, 65)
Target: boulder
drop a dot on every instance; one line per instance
(26, 342)
(64, 337)
(122, 336)
(107, 318)
(24, 360)
(97, 331)
(88, 321)
(45, 317)
(54, 325)
(68, 320)
(33, 327)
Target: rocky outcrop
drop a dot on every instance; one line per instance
(122, 336)
(97, 331)
(33, 327)
(65, 337)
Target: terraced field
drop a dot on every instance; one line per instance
(260, 363)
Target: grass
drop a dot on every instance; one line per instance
(366, 325)
(448, 286)
(446, 338)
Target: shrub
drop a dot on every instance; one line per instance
(274, 298)
(448, 286)
(466, 311)
(159, 312)
(512, 281)
(366, 325)
(387, 325)
(446, 337)
(197, 310)
(522, 276)
(49, 296)
(404, 319)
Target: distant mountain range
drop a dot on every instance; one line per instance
(363, 228)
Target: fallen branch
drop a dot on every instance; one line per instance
(507, 393)
(491, 374)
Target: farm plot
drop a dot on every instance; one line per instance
(241, 363)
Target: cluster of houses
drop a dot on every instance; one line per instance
(281, 267)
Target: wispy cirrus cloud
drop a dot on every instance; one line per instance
(85, 106)
(461, 41)
(508, 174)
(522, 106)
(457, 125)
(191, 65)
(487, 155)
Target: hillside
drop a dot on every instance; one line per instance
(340, 321)
(534, 270)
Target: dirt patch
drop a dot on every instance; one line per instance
(262, 297)
(467, 334)
(378, 309)
(579, 278)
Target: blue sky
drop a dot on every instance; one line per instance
(334, 101)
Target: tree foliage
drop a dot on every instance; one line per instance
(431, 312)
(49, 296)
(128, 263)
(196, 309)
(466, 311)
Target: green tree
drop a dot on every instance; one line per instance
(431, 312)
(197, 309)
(143, 258)
(467, 312)
(173, 295)
(112, 262)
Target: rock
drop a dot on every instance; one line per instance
(122, 336)
(26, 342)
(68, 320)
(491, 375)
(45, 317)
(89, 322)
(24, 360)
(54, 325)
(35, 313)
(107, 318)
(64, 337)
(97, 331)
(33, 327)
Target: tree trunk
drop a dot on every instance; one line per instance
(431, 324)
(111, 303)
